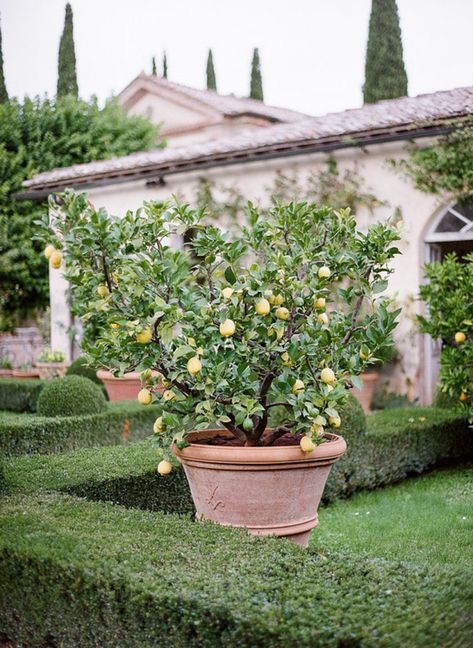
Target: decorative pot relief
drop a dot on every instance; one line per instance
(214, 503)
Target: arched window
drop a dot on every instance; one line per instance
(452, 224)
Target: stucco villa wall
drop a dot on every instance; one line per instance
(253, 179)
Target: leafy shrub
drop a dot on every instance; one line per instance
(385, 399)
(38, 135)
(450, 319)
(82, 367)
(39, 434)
(77, 573)
(444, 400)
(71, 396)
(20, 395)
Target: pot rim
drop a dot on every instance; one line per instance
(105, 374)
(329, 452)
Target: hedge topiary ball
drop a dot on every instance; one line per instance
(80, 367)
(71, 396)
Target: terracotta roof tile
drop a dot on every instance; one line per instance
(402, 113)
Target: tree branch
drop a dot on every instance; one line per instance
(278, 432)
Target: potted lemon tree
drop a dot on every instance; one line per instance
(273, 317)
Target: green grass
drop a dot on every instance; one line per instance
(426, 521)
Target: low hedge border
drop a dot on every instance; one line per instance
(399, 443)
(19, 395)
(22, 434)
(77, 573)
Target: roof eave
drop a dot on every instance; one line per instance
(284, 149)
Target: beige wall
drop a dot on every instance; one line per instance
(252, 179)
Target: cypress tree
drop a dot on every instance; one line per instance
(67, 77)
(256, 85)
(3, 88)
(154, 71)
(385, 74)
(211, 80)
(165, 66)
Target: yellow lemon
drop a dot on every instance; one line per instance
(460, 337)
(323, 319)
(144, 337)
(262, 306)
(164, 467)
(327, 375)
(55, 259)
(324, 272)
(285, 359)
(278, 300)
(334, 421)
(169, 395)
(158, 426)
(48, 250)
(145, 396)
(269, 295)
(463, 396)
(194, 365)
(103, 290)
(306, 444)
(318, 430)
(282, 313)
(320, 302)
(227, 293)
(298, 386)
(115, 326)
(227, 328)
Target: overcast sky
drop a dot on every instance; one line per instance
(312, 51)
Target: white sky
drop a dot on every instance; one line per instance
(312, 51)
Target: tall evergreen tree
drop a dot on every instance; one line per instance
(3, 87)
(256, 85)
(211, 80)
(67, 76)
(385, 74)
(165, 66)
(154, 71)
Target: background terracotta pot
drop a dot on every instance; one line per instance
(365, 395)
(272, 490)
(29, 373)
(124, 388)
(6, 373)
(50, 370)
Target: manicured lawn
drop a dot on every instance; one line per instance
(426, 520)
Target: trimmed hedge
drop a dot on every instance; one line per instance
(22, 434)
(20, 394)
(71, 396)
(398, 444)
(81, 367)
(77, 573)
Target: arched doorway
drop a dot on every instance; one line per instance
(451, 230)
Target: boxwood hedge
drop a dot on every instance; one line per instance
(397, 444)
(78, 573)
(19, 395)
(25, 434)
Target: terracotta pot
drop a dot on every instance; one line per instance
(50, 370)
(271, 490)
(118, 389)
(6, 373)
(365, 395)
(31, 373)
(125, 388)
